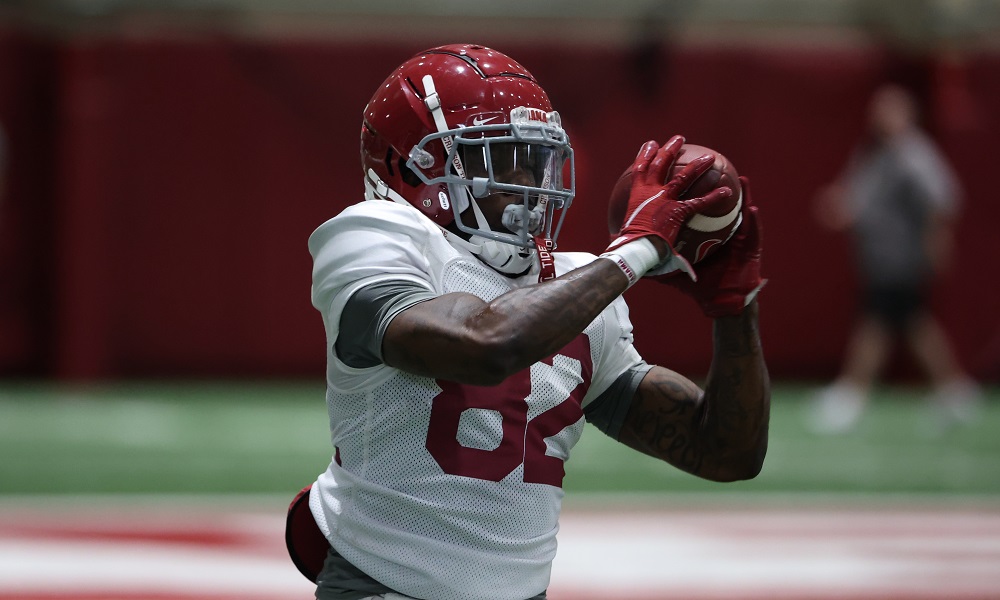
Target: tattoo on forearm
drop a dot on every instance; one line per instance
(738, 390)
(570, 304)
(663, 425)
(716, 433)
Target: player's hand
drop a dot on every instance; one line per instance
(730, 278)
(654, 206)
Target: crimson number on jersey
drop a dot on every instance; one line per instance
(523, 440)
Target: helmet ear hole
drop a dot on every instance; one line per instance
(388, 162)
(409, 177)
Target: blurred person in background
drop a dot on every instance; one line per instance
(898, 198)
(464, 355)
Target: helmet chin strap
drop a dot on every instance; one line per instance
(505, 258)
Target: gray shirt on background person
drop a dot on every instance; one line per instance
(895, 189)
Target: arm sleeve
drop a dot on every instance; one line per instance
(607, 412)
(366, 316)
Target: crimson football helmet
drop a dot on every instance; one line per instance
(458, 123)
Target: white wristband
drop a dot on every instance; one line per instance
(635, 258)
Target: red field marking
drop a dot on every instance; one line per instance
(161, 551)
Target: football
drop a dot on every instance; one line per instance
(704, 232)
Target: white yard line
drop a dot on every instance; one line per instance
(788, 553)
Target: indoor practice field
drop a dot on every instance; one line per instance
(177, 492)
(176, 286)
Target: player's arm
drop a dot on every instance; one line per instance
(937, 191)
(459, 337)
(462, 338)
(719, 433)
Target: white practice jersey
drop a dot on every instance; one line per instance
(441, 490)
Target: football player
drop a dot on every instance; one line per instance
(465, 354)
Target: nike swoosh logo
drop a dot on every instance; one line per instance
(480, 121)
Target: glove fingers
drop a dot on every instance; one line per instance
(709, 200)
(754, 230)
(680, 182)
(673, 146)
(646, 153)
(664, 159)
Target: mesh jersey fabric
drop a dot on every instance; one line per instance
(440, 490)
(368, 312)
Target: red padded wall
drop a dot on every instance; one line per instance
(27, 204)
(159, 227)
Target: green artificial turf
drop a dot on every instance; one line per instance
(268, 437)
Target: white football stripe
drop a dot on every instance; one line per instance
(700, 222)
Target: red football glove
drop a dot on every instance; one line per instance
(654, 207)
(730, 279)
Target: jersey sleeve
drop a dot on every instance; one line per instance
(369, 243)
(617, 354)
(607, 412)
(367, 315)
